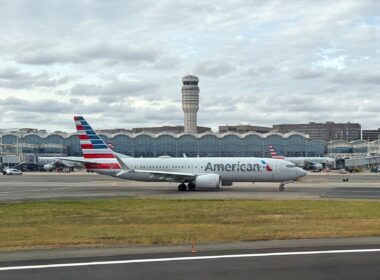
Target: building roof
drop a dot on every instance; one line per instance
(153, 135)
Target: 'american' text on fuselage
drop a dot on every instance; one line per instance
(233, 167)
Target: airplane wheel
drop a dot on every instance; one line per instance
(281, 188)
(182, 187)
(191, 186)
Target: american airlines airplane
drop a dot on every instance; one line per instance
(317, 163)
(191, 173)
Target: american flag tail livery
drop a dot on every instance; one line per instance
(96, 152)
(273, 153)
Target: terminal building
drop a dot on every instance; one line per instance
(27, 147)
(328, 131)
(145, 144)
(371, 134)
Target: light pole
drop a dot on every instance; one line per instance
(305, 147)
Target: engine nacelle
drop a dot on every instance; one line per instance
(208, 181)
(317, 167)
(49, 167)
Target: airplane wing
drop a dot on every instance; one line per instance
(77, 160)
(312, 162)
(166, 175)
(160, 175)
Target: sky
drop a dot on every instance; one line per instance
(120, 63)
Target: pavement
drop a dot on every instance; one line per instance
(46, 186)
(357, 258)
(342, 258)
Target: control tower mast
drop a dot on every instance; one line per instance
(190, 102)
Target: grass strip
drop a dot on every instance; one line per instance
(106, 222)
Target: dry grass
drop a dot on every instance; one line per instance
(160, 221)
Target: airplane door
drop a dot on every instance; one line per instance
(276, 169)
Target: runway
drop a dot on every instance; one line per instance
(45, 186)
(343, 262)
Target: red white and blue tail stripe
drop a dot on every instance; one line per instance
(94, 149)
(92, 145)
(273, 153)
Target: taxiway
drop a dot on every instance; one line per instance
(45, 186)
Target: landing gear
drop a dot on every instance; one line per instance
(182, 187)
(191, 186)
(282, 187)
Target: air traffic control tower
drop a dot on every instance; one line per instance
(190, 102)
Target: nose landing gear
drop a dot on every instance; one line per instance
(282, 187)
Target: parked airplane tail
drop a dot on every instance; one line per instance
(273, 153)
(96, 152)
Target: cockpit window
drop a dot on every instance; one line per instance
(291, 166)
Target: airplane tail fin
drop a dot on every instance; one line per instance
(94, 149)
(273, 153)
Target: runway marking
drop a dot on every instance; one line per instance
(187, 259)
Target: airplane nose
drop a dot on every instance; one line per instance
(301, 172)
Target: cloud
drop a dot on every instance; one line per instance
(100, 51)
(14, 79)
(306, 73)
(121, 62)
(338, 62)
(114, 90)
(214, 68)
(49, 113)
(15, 104)
(371, 78)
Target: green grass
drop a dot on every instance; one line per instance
(166, 221)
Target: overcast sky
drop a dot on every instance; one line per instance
(120, 63)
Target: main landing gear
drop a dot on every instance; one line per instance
(190, 186)
(182, 187)
(282, 187)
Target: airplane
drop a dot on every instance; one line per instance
(316, 163)
(208, 173)
(51, 163)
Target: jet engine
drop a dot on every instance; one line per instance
(317, 167)
(208, 181)
(49, 167)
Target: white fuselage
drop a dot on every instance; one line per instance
(230, 169)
